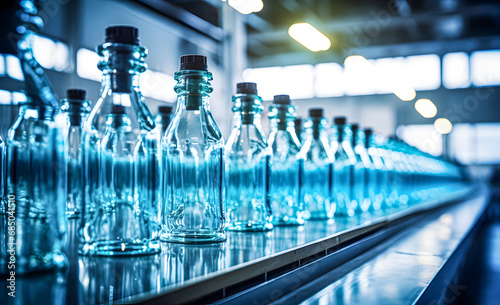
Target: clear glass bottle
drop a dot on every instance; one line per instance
(286, 169)
(35, 202)
(340, 142)
(75, 108)
(317, 174)
(299, 129)
(360, 171)
(248, 158)
(120, 156)
(163, 118)
(193, 161)
(377, 176)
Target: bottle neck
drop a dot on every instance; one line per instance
(247, 109)
(121, 65)
(76, 110)
(282, 117)
(316, 127)
(193, 88)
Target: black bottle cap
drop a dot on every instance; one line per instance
(122, 34)
(368, 131)
(298, 121)
(76, 94)
(246, 88)
(340, 120)
(354, 126)
(118, 109)
(282, 99)
(316, 112)
(194, 62)
(165, 109)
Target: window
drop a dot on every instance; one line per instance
(485, 68)
(456, 70)
(50, 54)
(14, 67)
(423, 71)
(424, 137)
(329, 80)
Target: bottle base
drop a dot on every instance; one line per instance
(120, 248)
(193, 238)
(243, 226)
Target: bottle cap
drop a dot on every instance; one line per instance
(282, 99)
(165, 109)
(118, 109)
(76, 94)
(298, 121)
(368, 131)
(340, 120)
(122, 34)
(354, 126)
(246, 88)
(316, 112)
(194, 62)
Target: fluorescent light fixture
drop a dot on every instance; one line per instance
(443, 126)
(328, 80)
(246, 7)
(423, 72)
(18, 97)
(359, 76)
(309, 37)
(426, 108)
(405, 92)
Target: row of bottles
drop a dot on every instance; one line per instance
(132, 179)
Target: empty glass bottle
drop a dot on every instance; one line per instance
(340, 142)
(377, 175)
(360, 171)
(248, 158)
(193, 160)
(35, 202)
(298, 129)
(317, 174)
(120, 156)
(163, 118)
(287, 164)
(75, 109)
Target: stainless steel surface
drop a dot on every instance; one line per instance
(400, 273)
(191, 269)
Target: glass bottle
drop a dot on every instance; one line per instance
(360, 171)
(317, 174)
(248, 158)
(163, 118)
(287, 164)
(36, 158)
(377, 175)
(298, 129)
(193, 160)
(340, 142)
(120, 156)
(76, 109)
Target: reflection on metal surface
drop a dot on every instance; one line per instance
(103, 278)
(185, 262)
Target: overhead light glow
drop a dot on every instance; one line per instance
(426, 108)
(247, 6)
(309, 37)
(405, 93)
(443, 126)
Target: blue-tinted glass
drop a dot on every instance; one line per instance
(248, 158)
(120, 161)
(193, 160)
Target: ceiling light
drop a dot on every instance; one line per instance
(426, 108)
(405, 93)
(246, 6)
(443, 126)
(309, 37)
